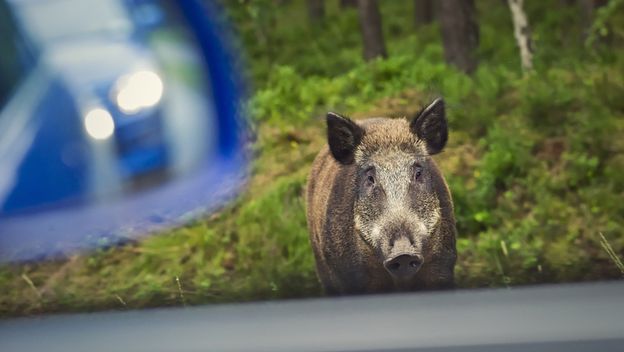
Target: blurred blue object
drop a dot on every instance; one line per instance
(118, 118)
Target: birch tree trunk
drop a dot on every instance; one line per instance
(522, 33)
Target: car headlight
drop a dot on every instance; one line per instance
(99, 123)
(137, 91)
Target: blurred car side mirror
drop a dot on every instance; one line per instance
(121, 118)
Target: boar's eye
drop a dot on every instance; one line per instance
(369, 177)
(417, 171)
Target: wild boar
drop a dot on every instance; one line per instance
(379, 212)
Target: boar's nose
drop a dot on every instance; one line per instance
(403, 266)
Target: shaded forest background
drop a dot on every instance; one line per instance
(535, 160)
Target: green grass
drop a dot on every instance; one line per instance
(535, 164)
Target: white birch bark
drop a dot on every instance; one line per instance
(522, 33)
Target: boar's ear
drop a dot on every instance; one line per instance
(343, 136)
(430, 126)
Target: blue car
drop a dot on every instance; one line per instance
(86, 104)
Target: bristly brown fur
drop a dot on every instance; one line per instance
(346, 262)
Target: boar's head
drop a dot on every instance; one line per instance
(399, 204)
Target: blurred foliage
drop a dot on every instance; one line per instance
(535, 162)
(607, 22)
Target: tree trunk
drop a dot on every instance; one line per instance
(460, 33)
(370, 25)
(522, 33)
(348, 3)
(316, 10)
(423, 12)
(588, 9)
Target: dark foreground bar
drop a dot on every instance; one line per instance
(588, 317)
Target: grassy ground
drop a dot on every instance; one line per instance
(535, 163)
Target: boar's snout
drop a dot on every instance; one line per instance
(404, 261)
(403, 266)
